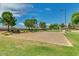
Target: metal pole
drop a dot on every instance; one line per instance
(65, 16)
(65, 20)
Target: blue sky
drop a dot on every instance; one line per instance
(48, 12)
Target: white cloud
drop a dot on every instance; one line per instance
(47, 24)
(48, 9)
(18, 9)
(22, 24)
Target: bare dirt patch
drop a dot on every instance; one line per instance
(46, 37)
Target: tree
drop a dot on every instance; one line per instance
(62, 26)
(53, 26)
(2, 21)
(75, 19)
(30, 23)
(8, 19)
(13, 22)
(70, 26)
(42, 25)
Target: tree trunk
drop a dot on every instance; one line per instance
(8, 28)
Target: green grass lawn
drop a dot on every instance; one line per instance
(14, 47)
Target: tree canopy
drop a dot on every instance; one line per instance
(30, 23)
(7, 18)
(53, 26)
(42, 25)
(75, 18)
